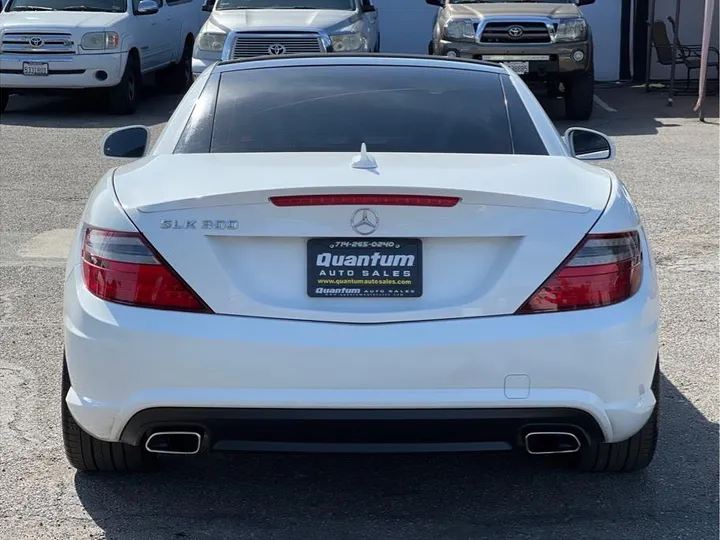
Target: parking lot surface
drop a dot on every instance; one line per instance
(49, 161)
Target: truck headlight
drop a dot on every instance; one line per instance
(348, 42)
(211, 42)
(460, 29)
(99, 41)
(571, 30)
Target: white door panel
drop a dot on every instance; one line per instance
(149, 38)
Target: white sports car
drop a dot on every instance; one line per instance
(360, 253)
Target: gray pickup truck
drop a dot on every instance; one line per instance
(246, 28)
(543, 41)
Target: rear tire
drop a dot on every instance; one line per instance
(123, 98)
(178, 77)
(631, 455)
(431, 49)
(579, 96)
(86, 453)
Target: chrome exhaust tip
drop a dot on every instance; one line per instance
(174, 442)
(551, 442)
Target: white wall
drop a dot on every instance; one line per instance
(604, 18)
(692, 14)
(406, 27)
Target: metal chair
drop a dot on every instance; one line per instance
(687, 55)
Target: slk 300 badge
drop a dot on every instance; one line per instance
(205, 224)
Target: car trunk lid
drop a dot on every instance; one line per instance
(212, 219)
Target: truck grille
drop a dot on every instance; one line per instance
(249, 45)
(37, 43)
(521, 32)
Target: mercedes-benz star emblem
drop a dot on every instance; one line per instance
(276, 49)
(515, 31)
(364, 221)
(35, 42)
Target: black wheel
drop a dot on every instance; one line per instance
(123, 98)
(431, 49)
(579, 96)
(4, 96)
(178, 77)
(631, 455)
(377, 45)
(86, 453)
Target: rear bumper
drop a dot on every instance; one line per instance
(76, 71)
(124, 360)
(358, 430)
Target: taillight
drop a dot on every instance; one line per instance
(376, 200)
(604, 270)
(121, 267)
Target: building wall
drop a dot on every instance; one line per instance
(604, 17)
(406, 27)
(692, 14)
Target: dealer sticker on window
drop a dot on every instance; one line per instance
(352, 268)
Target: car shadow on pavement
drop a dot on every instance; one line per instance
(86, 111)
(635, 112)
(449, 496)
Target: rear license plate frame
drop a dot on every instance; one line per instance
(402, 278)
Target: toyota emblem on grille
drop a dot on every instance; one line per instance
(35, 42)
(364, 221)
(515, 31)
(276, 49)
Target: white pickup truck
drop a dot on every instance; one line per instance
(55, 46)
(247, 28)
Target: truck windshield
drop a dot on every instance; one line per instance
(287, 4)
(110, 6)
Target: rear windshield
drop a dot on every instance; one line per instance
(337, 108)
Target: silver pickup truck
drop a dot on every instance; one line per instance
(545, 41)
(246, 28)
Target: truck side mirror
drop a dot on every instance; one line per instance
(208, 5)
(147, 7)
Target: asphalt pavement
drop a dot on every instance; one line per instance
(49, 162)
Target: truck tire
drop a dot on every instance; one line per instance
(123, 98)
(4, 96)
(579, 96)
(86, 453)
(631, 455)
(431, 49)
(178, 77)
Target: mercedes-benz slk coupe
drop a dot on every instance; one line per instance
(360, 253)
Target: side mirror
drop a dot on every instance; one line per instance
(126, 143)
(147, 7)
(368, 8)
(208, 5)
(438, 3)
(589, 145)
(585, 2)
